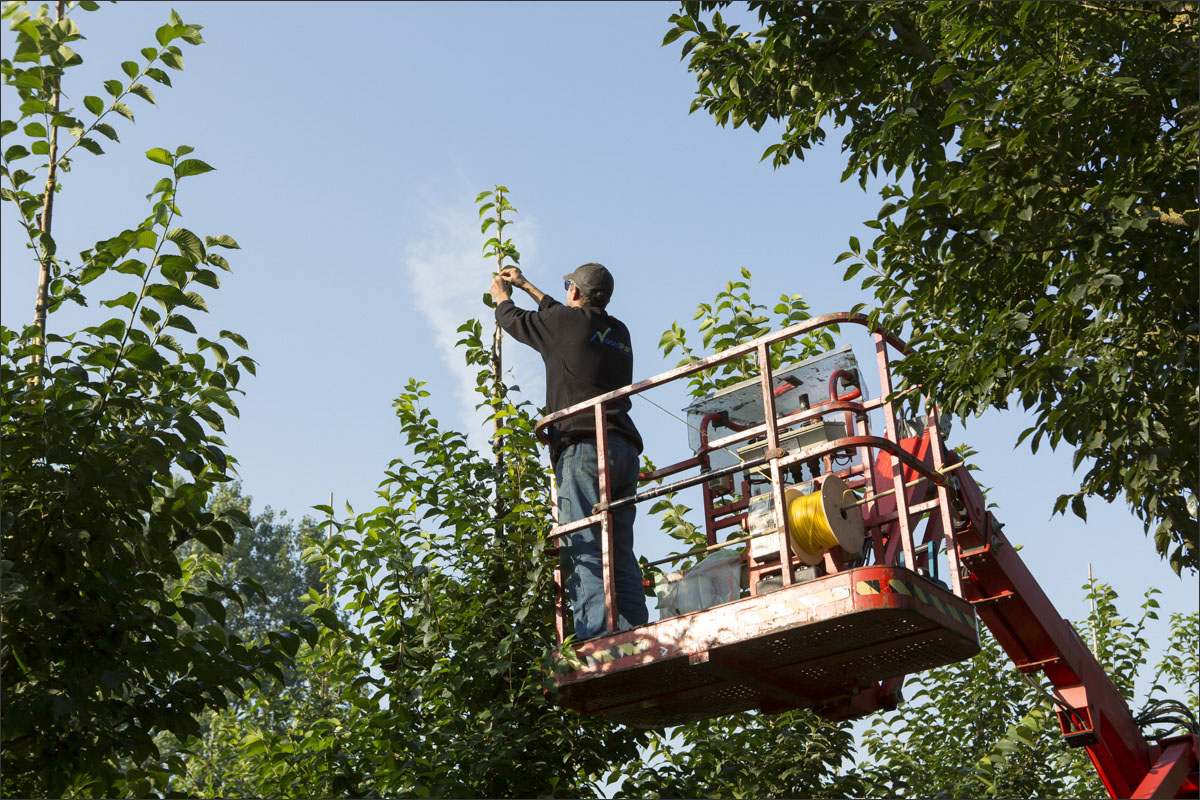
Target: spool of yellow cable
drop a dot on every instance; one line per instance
(823, 519)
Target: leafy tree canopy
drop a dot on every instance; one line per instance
(437, 682)
(265, 552)
(1039, 227)
(113, 603)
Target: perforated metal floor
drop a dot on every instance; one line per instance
(803, 646)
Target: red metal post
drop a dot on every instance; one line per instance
(606, 534)
(870, 510)
(1170, 771)
(772, 434)
(943, 492)
(903, 523)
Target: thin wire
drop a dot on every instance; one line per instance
(690, 425)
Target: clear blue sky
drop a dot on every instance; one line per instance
(350, 141)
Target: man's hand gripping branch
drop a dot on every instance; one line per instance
(500, 290)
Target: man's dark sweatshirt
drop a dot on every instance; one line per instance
(587, 353)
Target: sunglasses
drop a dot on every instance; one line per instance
(567, 285)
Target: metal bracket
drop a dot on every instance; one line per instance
(1078, 732)
(1004, 595)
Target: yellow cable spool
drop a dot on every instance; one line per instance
(823, 519)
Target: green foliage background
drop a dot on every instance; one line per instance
(1037, 240)
(160, 639)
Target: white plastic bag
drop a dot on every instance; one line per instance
(715, 580)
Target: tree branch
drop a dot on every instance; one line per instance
(43, 290)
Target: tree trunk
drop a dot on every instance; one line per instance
(45, 218)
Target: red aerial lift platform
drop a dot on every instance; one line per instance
(817, 644)
(836, 631)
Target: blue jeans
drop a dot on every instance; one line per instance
(580, 552)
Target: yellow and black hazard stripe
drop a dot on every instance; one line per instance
(915, 590)
(931, 599)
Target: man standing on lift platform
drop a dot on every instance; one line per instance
(587, 353)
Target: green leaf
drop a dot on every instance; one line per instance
(107, 130)
(145, 240)
(1078, 507)
(123, 110)
(114, 88)
(156, 74)
(955, 114)
(128, 300)
(160, 156)
(222, 241)
(192, 166)
(91, 145)
(142, 92)
(188, 242)
(191, 34)
(113, 328)
(326, 616)
(36, 130)
(130, 68)
(29, 79)
(194, 300)
(181, 322)
(165, 34)
(143, 356)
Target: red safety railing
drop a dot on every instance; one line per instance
(717, 516)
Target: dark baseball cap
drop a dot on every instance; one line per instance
(591, 277)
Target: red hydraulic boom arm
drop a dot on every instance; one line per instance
(1091, 712)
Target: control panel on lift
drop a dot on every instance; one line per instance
(797, 387)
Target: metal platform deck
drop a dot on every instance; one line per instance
(804, 646)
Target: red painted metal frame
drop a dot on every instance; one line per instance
(984, 568)
(1174, 770)
(1092, 712)
(832, 648)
